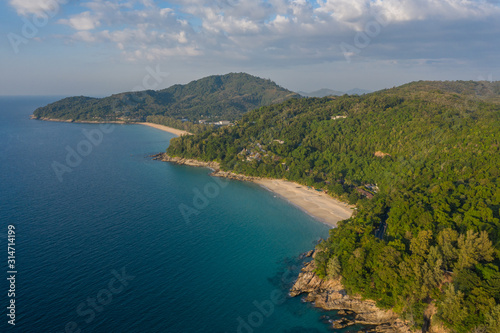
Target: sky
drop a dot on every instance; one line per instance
(97, 47)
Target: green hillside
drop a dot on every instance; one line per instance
(422, 163)
(218, 97)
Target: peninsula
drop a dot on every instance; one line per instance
(164, 128)
(194, 107)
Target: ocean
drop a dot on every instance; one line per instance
(108, 240)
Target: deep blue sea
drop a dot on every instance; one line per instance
(108, 240)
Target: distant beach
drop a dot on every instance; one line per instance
(172, 130)
(78, 121)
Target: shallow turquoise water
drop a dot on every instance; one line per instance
(117, 213)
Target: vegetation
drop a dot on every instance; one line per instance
(218, 97)
(428, 156)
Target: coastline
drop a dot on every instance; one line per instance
(330, 294)
(317, 204)
(164, 128)
(79, 121)
(326, 294)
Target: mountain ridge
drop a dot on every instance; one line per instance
(324, 92)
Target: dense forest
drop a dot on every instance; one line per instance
(217, 97)
(422, 164)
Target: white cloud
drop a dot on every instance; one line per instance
(344, 10)
(38, 7)
(181, 37)
(83, 21)
(139, 29)
(410, 10)
(273, 30)
(423, 39)
(85, 36)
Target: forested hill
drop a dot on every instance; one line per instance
(218, 97)
(422, 162)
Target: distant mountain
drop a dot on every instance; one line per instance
(357, 91)
(322, 93)
(481, 89)
(329, 92)
(215, 97)
(485, 90)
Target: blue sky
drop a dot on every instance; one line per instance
(98, 47)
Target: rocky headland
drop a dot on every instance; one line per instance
(80, 121)
(329, 294)
(216, 171)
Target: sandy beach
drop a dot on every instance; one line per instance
(319, 205)
(172, 130)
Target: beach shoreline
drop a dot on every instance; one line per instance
(164, 128)
(316, 204)
(79, 121)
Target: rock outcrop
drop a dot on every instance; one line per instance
(185, 161)
(217, 172)
(381, 154)
(231, 175)
(329, 294)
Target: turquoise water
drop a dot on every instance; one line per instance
(102, 244)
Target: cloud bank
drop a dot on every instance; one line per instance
(278, 34)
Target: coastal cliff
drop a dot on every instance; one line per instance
(331, 295)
